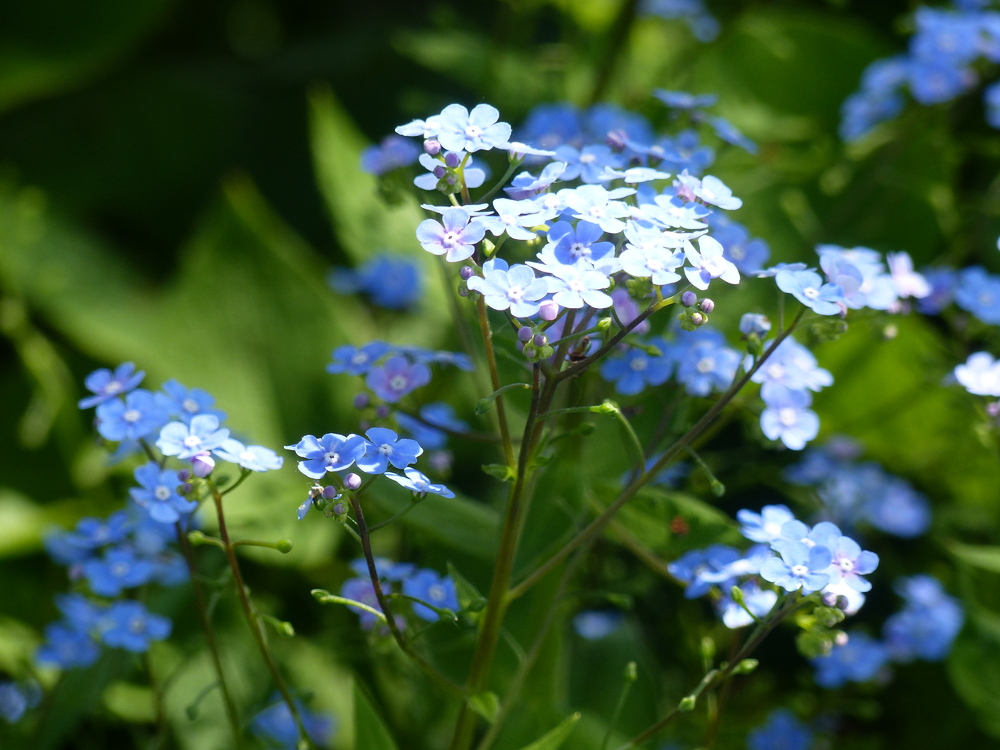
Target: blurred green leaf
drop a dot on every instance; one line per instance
(986, 558)
(974, 668)
(370, 732)
(486, 705)
(555, 739)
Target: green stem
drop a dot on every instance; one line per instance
(253, 620)
(206, 625)
(503, 181)
(383, 602)
(598, 524)
(491, 361)
(413, 504)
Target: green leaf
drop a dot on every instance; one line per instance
(986, 558)
(469, 597)
(554, 739)
(370, 732)
(499, 471)
(486, 705)
(974, 668)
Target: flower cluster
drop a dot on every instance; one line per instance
(433, 592)
(938, 67)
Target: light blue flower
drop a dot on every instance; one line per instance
(515, 288)
(384, 447)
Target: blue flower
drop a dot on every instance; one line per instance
(790, 366)
(927, 625)
(699, 569)
(658, 264)
(16, 698)
(118, 569)
(138, 416)
(391, 281)
(799, 567)
(764, 526)
(388, 570)
(461, 130)
(332, 452)
(396, 378)
(353, 361)
(572, 244)
(898, 509)
(67, 647)
(727, 132)
(787, 418)
(105, 384)
(595, 624)
(393, 152)
(573, 287)
(636, 369)
(850, 563)
(748, 255)
(438, 414)
(158, 494)
(275, 726)
(705, 365)
(759, 601)
(252, 457)
(455, 237)
(599, 206)
(184, 403)
(187, 440)
(708, 262)
(588, 163)
(754, 324)
(684, 101)
(417, 482)
(978, 292)
(781, 731)
(437, 590)
(383, 448)
(808, 288)
(128, 625)
(858, 660)
(515, 288)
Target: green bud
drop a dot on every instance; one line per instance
(687, 704)
(707, 649)
(746, 666)
(631, 672)
(736, 594)
(604, 324)
(284, 546)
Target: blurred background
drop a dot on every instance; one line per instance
(178, 178)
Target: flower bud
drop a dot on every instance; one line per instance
(698, 319)
(466, 272)
(184, 475)
(452, 159)
(993, 409)
(382, 411)
(339, 509)
(706, 305)
(202, 464)
(439, 171)
(530, 351)
(540, 340)
(330, 492)
(186, 488)
(752, 324)
(361, 401)
(352, 481)
(440, 461)
(524, 334)
(689, 298)
(548, 310)
(616, 139)
(432, 147)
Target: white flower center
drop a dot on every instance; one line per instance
(436, 593)
(638, 364)
(398, 383)
(800, 571)
(132, 415)
(810, 292)
(385, 449)
(162, 492)
(192, 441)
(787, 416)
(113, 387)
(190, 405)
(706, 364)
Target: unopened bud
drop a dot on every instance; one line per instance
(361, 401)
(687, 704)
(548, 310)
(382, 411)
(616, 139)
(540, 340)
(466, 272)
(706, 305)
(186, 488)
(352, 481)
(202, 465)
(439, 171)
(689, 298)
(530, 351)
(524, 334)
(432, 147)
(698, 319)
(746, 666)
(329, 492)
(339, 509)
(184, 475)
(452, 159)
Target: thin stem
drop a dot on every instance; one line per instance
(491, 361)
(501, 182)
(206, 625)
(497, 601)
(595, 526)
(403, 512)
(244, 473)
(383, 603)
(253, 620)
(157, 687)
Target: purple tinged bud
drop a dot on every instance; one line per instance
(698, 319)
(382, 411)
(841, 638)
(689, 298)
(451, 180)
(452, 159)
(541, 339)
(186, 488)
(548, 310)
(993, 409)
(202, 464)
(330, 492)
(184, 475)
(352, 481)
(432, 147)
(440, 461)
(530, 351)
(439, 171)
(616, 139)
(339, 509)
(361, 401)
(706, 305)
(466, 272)
(524, 334)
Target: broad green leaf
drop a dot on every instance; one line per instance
(466, 592)
(370, 732)
(555, 739)
(986, 558)
(974, 668)
(486, 705)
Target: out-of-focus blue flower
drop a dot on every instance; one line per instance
(390, 281)
(16, 698)
(105, 384)
(693, 12)
(388, 570)
(129, 625)
(595, 624)
(397, 377)
(698, 569)
(942, 284)
(137, 416)
(781, 731)
(120, 568)
(67, 647)
(275, 726)
(927, 625)
(157, 493)
(186, 403)
(252, 457)
(436, 590)
(351, 360)
(438, 414)
(787, 418)
(759, 601)
(361, 590)
(636, 369)
(682, 100)
(858, 660)
(978, 292)
(393, 152)
(705, 366)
